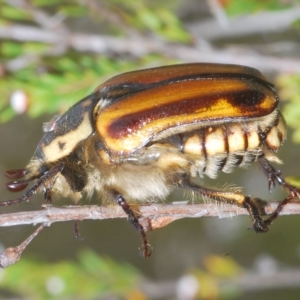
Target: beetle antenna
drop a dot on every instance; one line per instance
(26, 197)
(16, 174)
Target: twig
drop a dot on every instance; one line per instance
(38, 15)
(218, 12)
(119, 45)
(258, 23)
(12, 255)
(152, 216)
(101, 9)
(246, 282)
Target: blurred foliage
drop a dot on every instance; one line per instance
(159, 20)
(217, 271)
(90, 277)
(295, 181)
(95, 277)
(52, 83)
(235, 7)
(289, 90)
(70, 79)
(296, 24)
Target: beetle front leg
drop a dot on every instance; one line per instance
(49, 175)
(133, 219)
(275, 176)
(254, 206)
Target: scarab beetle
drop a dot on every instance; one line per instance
(143, 133)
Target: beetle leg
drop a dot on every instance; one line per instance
(47, 195)
(42, 180)
(76, 231)
(273, 176)
(47, 191)
(254, 206)
(133, 219)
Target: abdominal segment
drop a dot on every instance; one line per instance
(225, 146)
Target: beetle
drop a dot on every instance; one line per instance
(141, 134)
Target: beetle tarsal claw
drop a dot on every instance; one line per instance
(145, 252)
(259, 226)
(143, 133)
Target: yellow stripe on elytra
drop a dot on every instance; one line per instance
(126, 141)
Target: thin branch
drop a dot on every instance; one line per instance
(12, 255)
(152, 216)
(262, 23)
(139, 46)
(38, 15)
(246, 282)
(218, 12)
(102, 10)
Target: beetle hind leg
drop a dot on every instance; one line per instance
(273, 177)
(254, 206)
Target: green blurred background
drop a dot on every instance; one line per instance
(53, 53)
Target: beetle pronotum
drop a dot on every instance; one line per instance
(142, 133)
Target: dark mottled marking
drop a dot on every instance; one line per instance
(245, 136)
(61, 145)
(203, 146)
(75, 175)
(262, 136)
(174, 140)
(226, 143)
(240, 158)
(247, 99)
